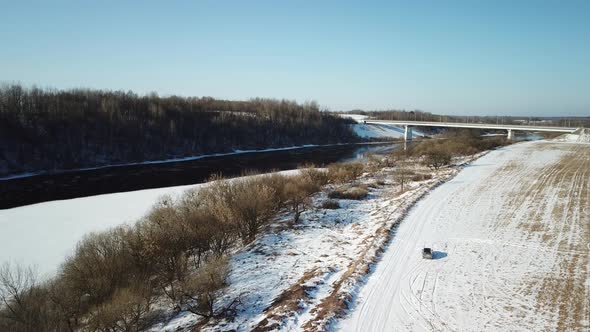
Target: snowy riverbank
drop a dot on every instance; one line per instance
(293, 277)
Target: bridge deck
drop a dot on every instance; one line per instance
(474, 125)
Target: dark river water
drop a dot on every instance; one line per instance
(73, 184)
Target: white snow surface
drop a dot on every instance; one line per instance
(377, 130)
(382, 131)
(581, 135)
(42, 235)
(484, 258)
(355, 117)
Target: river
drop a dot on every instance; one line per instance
(72, 184)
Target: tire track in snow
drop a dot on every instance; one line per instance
(478, 286)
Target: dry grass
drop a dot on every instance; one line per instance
(345, 172)
(562, 226)
(421, 177)
(287, 303)
(349, 192)
(335, 304)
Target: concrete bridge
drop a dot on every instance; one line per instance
(509, 128)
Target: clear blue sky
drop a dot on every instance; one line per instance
(455, 57)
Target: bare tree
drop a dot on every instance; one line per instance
(402, 172)
(23, 301)
(203, 288)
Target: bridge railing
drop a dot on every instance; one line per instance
(473, 125)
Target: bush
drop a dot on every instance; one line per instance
(421, 177)
(128, 310)
(277, 183)
(315, 176)
(346, 192)
(101, 264)
(251, 206)
(25, 304)
(345, 172)
(438, 153)
(437, 158)
(298, 192)
(330, 204)
(202, 289)
(214, 201)
(166, 245)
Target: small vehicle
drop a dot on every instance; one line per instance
(427, 253)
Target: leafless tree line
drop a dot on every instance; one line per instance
(48, 129)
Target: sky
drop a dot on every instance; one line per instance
(453, 57)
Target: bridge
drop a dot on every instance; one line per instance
(509, 128)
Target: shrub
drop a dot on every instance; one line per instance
(202, 289)
(315, 176)
(101, 264)
(277, 183)
(252, 207)
(24, 304)
(403, 174)
(330, 204)
(421, 177)
(298, 192)
(437, 158)
(345, 172)
(215, 201)
(346, 192)
(438, 153)
(165, 247)
(128, 310)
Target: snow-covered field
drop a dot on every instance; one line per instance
(511, 235)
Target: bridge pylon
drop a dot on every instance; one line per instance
(510, 135)
(408, 134)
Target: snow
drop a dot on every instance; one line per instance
(42, 235)
(377, 130)
(382, 131)
(355, 117)
(492, 266)
(581, 135)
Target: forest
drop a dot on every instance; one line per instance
(44, 129)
